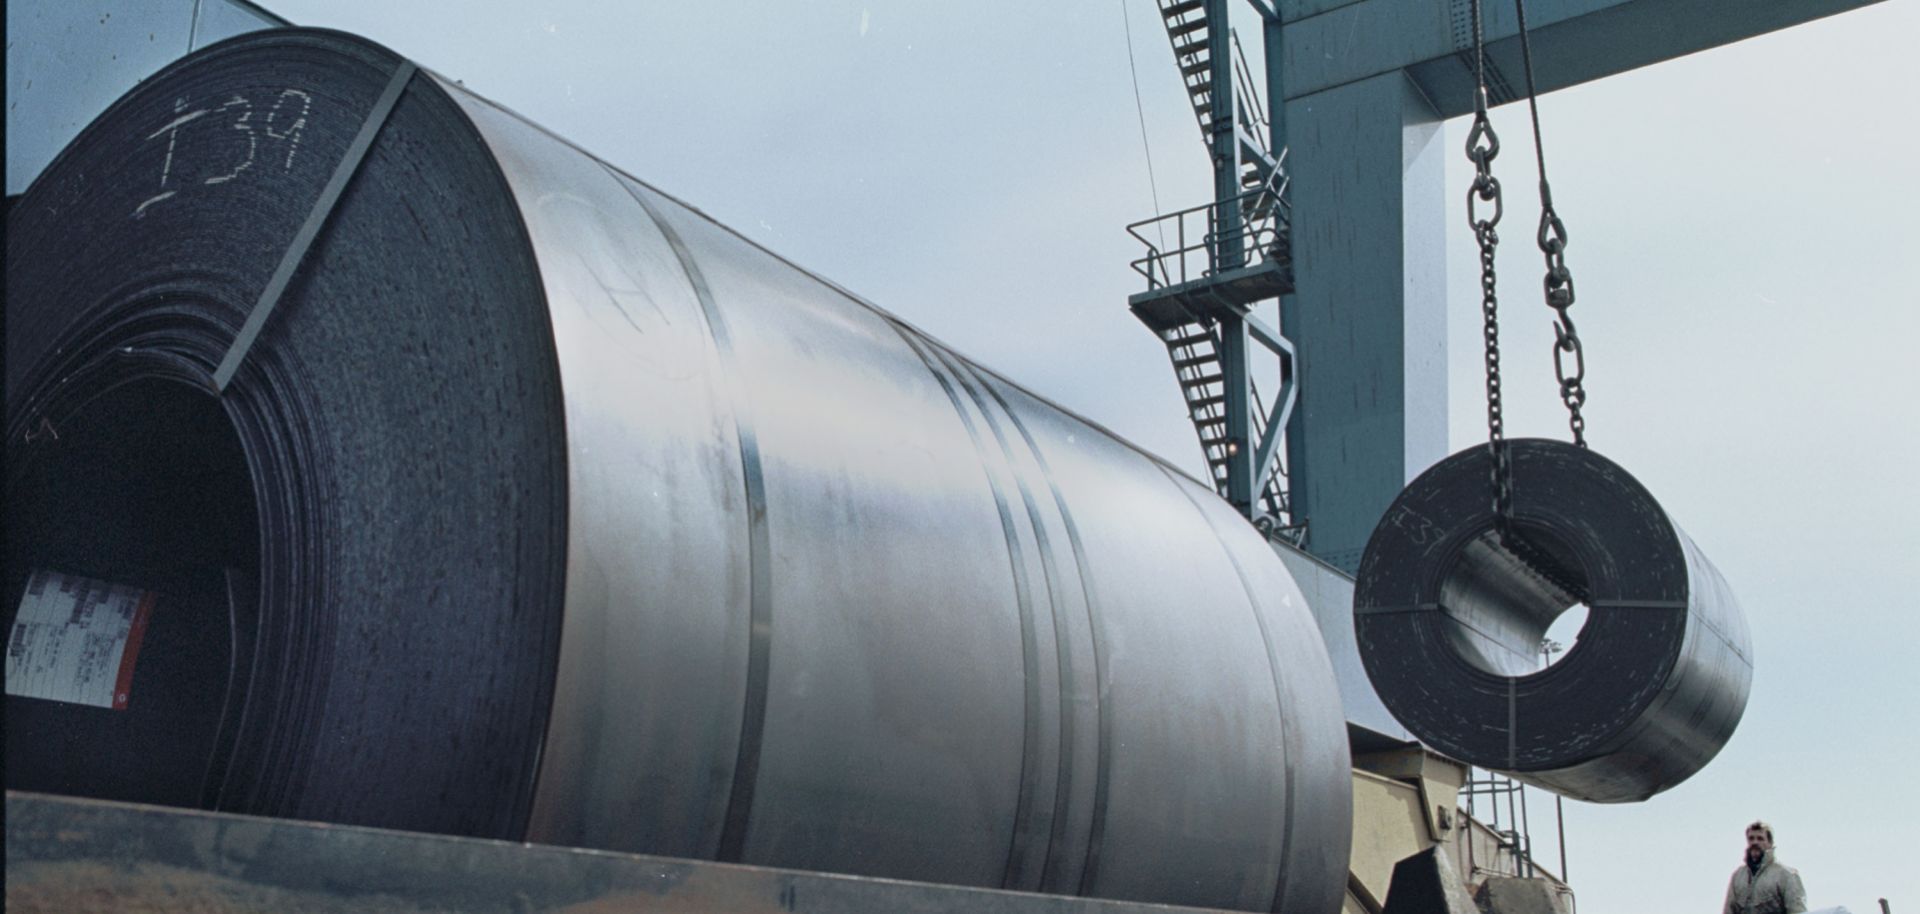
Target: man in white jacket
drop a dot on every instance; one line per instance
(1763, 885)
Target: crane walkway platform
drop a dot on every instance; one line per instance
(1166, 307)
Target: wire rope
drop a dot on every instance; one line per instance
(1133, 70)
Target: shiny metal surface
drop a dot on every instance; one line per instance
(1449, 619)
(839, 599)
(1497, 609)
(1329, 593)
(584, 521)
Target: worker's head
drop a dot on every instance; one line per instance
(1759, 841)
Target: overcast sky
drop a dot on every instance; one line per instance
(1743, 245)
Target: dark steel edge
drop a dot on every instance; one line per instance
(746, 769)
(1056, 604)
(94, 855)
(1018, 848)
(1097, 832)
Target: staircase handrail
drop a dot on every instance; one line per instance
(1256, 240)
(1251, 110)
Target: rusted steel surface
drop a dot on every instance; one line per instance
(72, 856)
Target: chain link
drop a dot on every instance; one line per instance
(1553, 244)
(1558, 285)
(1482, 146)
(1569, 356)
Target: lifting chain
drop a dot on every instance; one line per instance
(1569, 358)
(1482, 145)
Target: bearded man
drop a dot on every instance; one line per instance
(1764, 885)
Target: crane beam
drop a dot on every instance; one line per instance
(1330, 44)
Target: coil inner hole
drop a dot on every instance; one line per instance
(146, 485)
(1514, 605)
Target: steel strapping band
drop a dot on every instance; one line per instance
(316, 220)
(1096, 832)
(1391, 610)
(1279, 691)
(1015, 876)
(1513, 723)
(753, 716)
(985, 399)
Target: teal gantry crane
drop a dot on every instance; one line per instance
(1330, 197)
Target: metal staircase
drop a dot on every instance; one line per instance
(1191, 294)
(1195, 350)
(1189, 31)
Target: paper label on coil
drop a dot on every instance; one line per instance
(76, 640)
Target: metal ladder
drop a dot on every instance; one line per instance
(1194, 347)
(1195, 351)
(1188, 30)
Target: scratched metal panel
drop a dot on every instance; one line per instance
(1329, 594)
(1292, 11)
(218, 20)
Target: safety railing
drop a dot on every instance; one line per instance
(1515, 840)
(1249, 99)
(1259, 236)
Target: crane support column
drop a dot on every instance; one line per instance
(1273, 49)
(1369, 306)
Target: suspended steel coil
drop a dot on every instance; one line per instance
(1451, 615)
(544, 507)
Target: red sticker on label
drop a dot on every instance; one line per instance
(123, 683)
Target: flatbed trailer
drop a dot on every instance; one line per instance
(78, 856)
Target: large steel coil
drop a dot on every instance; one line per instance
(1451, 611)
(544, 507)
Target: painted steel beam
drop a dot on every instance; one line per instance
(1283, 402)
(1329, 43)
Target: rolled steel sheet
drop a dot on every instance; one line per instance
(1450, 615)
(577, 518)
